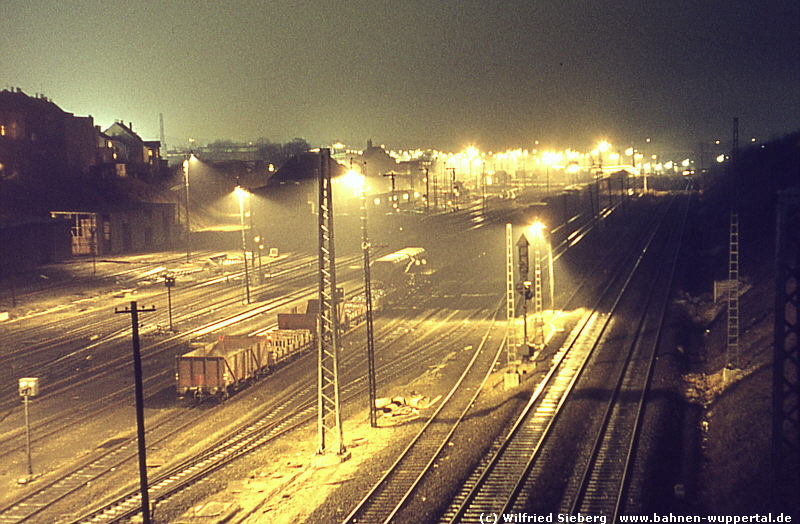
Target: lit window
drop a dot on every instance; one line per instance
(2, 130)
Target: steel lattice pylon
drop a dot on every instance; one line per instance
(538, 309)
(733, 294)
(329, 416)
(786, 371)
(511, 326)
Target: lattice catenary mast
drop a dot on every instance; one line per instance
(329, 416)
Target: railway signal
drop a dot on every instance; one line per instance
(522, 246)
(28, 387)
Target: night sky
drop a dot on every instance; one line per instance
(428, 74)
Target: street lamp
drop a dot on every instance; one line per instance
(359, 183)
(539, 231)
(186, 163)
(169, 283)
(242, 193)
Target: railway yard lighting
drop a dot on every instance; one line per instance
(187, 161)
(28, 387)
(358, 182)
(241, 194)
(260, 247)
(540, 231)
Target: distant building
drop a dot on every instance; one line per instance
(68, 188)
(129, 228)
(133, 156)
(377, 161)
(40, 142)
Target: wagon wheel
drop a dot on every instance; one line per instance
(223, 394)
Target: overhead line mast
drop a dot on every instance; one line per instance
(328, 402)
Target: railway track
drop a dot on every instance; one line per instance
(603, 486)
(69, 371)
(387, 499)
(32, 348)
(425, 328)
(265, 429)
(506, 478)
(255, 445)
(391, 492)
(52, 425)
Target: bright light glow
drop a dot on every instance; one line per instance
(573, 168)
(537, 229)
(354, 180)
(241, 193)
(629, 151)
(550, 157)
(721, 159)
(187, 161)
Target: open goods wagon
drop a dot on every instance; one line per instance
(218, 368)
(400, 270)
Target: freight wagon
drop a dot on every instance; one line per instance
(219, 368)
(400, 270)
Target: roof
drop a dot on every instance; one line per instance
(302, 167)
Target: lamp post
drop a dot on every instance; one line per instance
(644, 171)
(186, 163)
(241, 193)
(169, 283)
(259, 246)
(365, 246)
(540, 230)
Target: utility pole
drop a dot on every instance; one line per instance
(134, 311)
